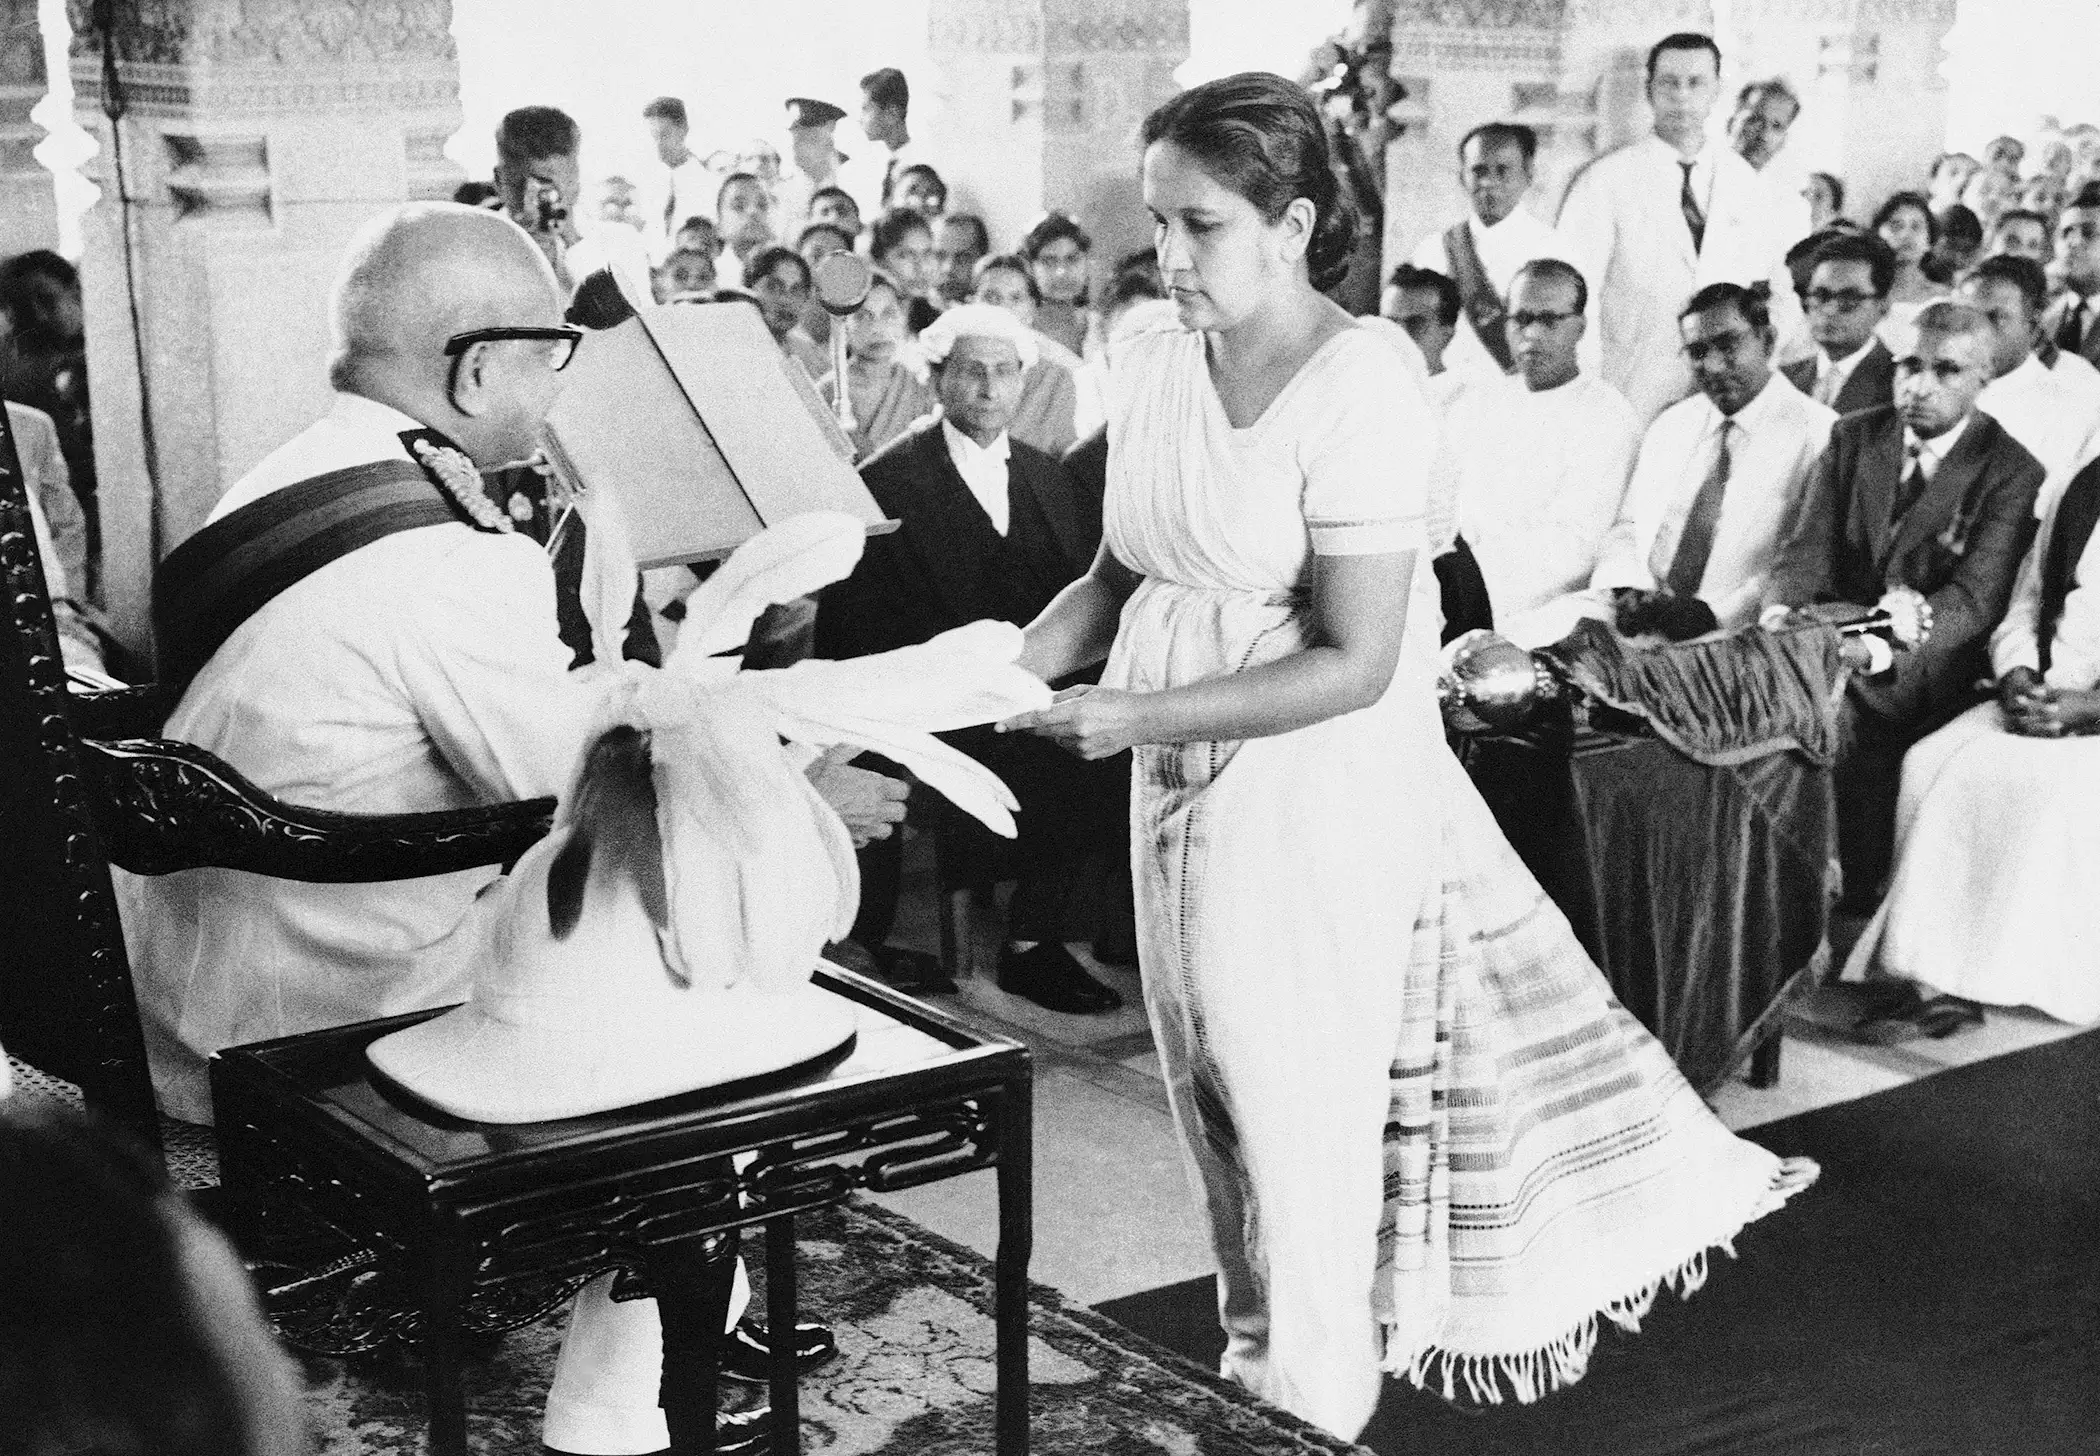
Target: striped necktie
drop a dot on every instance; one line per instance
(1694, 218)
(1695, 543)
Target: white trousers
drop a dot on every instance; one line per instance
(603, 1399)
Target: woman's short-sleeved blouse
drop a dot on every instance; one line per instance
(1337, 465)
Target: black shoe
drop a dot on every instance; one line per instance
(1050, 976)
(913, 972)
(749, 1353)
(742, 1433)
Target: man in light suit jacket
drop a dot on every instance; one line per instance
(1846, 297)
(991, 528)
(1660, 218)
(1932, 496)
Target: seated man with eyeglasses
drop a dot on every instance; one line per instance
(1846, 297)
(1537, 460)
(1717, 482)
(359, 628)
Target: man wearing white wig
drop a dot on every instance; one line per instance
(360, 630)
(991, 529)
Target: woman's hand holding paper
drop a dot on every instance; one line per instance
(1091, 722)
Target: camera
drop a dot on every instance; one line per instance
(544, 208)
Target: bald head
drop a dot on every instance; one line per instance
(415, 276)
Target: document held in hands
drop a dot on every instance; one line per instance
(703, 430)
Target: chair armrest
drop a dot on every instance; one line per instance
(123, 712)
(163, 806)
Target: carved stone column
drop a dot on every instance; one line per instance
(28, 210)
(1874, 106)
(255, 136)
(1042, 100)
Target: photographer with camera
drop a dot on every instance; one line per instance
(537, 181)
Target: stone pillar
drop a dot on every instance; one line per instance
(254, 137)
(28, 208)
(1041, 104)
(1874, 106)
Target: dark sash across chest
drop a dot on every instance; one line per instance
(226, 573)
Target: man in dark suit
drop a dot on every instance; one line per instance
(2073, 321)
(990, 529)
(1929, 496)
(1846, 296)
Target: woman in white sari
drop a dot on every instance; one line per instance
(1425, 1138)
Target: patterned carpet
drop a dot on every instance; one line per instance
(914, 1377)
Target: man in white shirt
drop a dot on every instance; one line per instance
(1483, 253)
(885, 103)
(1764, 112)
(2043, 409)
(1719, 478)
(1662, 217)
(2072, 324)
(685, 188)
(422, 669)
(1538, 461)
(1846, 298)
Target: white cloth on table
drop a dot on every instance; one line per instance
(1538, 476)
(1623, 220)
(1774, 445)
(1502, 249)
(2048, 414)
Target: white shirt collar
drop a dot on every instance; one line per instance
(1825, 364)
(1752, 416)
(1932, 449)
(983, 469)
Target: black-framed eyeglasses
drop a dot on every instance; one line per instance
(564, 338)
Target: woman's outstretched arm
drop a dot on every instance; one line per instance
(1359, 616)
(1079, 626)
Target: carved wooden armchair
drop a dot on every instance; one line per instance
(85, 783)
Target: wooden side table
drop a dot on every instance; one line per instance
(487, 1224)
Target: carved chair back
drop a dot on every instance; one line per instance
(84, 785)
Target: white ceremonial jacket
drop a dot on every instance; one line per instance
(1773, 450)
(1538, 477)
(1623, 221)
(423, 671)
(1504, 248)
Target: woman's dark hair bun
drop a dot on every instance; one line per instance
(1262, 136)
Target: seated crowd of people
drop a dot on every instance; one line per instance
(1690, 405)
(1839, 415)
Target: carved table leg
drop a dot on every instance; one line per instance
(692, 1280)
(1016, 1242)
(445, 1278)
(780, 1323)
